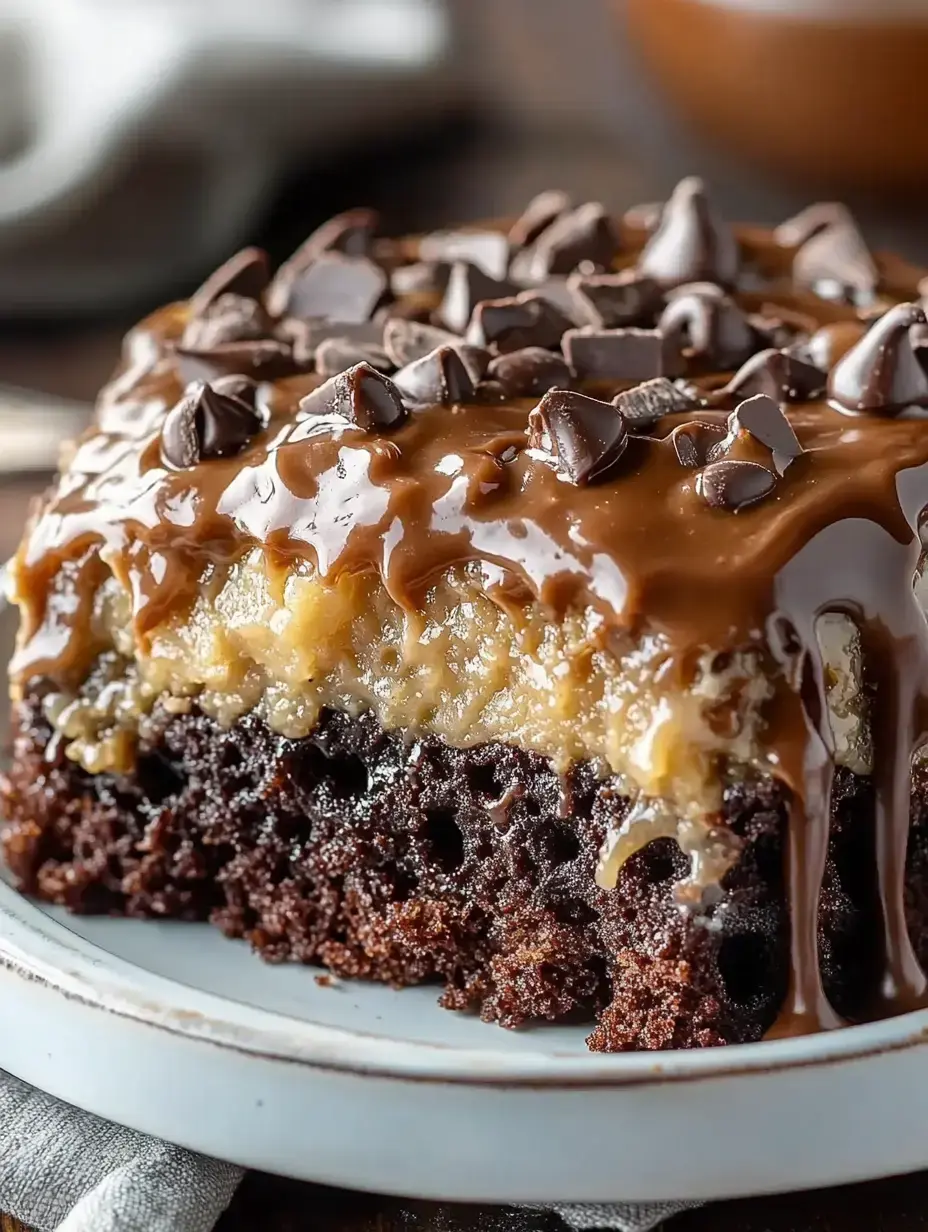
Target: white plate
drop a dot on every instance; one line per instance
(174, 1030)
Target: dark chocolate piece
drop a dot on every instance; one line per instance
(693, 442)
(206, 423)
(439, 378)
(336, 355)
(690, 244)
(815, 218)
(882, 375)
(708, 325)
(836, 263)
(264, 358)
(530, 372)
(488, 250)
(510, 324)
(467, 286)
(584, 436)
(405, 341)
(734, 485)
(584, 236)
(350, 233)
(645, 404)
(227, 318)
(338, 287)
(421, 277)
(537, 216)
(763, 419)
(778, 374)
(621, 354)
(361, 396)
(246, 274)
(607, 301)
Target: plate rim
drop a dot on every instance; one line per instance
(36, 947)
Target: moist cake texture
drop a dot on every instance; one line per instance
(537, 612)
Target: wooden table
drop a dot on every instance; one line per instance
(432, 183)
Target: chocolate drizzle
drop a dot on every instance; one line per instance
(673, 509)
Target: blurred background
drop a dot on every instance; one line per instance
(141, 141)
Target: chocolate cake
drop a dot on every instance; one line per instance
(535, 611)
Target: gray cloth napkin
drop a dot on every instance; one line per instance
(64, 1169)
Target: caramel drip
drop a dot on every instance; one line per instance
(456, 487)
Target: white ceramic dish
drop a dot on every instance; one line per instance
(176, 1031)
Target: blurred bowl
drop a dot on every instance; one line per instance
(828, 93)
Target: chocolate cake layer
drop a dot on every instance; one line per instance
(410, 861)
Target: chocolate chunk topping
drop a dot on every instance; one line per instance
(585, 235)
(708, 325)
(606, 301)
(836, 263)
(405, 341)
(690, 243)
(422, 277)
(467, 286)
(694, 442)
(810, 221)
(339, 287)
(648, 402)
(537, 216)
(228, 318)
(881, 375)
(621, 354)
(513, 323)
(488, 250)
(208, 422)
(335, 355)
(246, 275)
(584, 436)
(264, 358)
(361, 396)
(350, 233)
(531, 371)
(763, 419)
(439, 378)
(733, 485)
(778, 374)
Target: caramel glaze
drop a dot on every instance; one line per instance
(457, 485)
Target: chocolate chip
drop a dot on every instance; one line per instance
(690, 244)
(776, 331)
(778, 374)
(439, 378)
(238, 386)
(306, 337)
(531, 371)
(620, 354)
(584, 436)
(584, 235)
(476, 359)
(422, 277)
(336, 355)
(227, 318)
(361, 396)
(733, 485)
(246, 275)
(648, 402)
(350, 233)
(836, 264)
(467, 286)
(708, 325)
(810, 221)
(339, 287)
(538, 215)
(881, 375)
(265, 359)
(693, 442)
(488, 250)
(557, 293)
(513, 323)
(606, 301)
(405, 341)
(763, 419)
(207, 423)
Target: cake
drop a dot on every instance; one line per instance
(531, 609)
